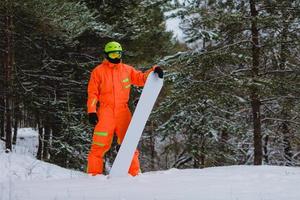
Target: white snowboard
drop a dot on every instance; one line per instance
(143, 109)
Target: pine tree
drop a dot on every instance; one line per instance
(37, 64)
(58, 43)
(228, 81)
(138, 25)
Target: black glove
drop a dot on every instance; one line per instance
(159, 72)
(93, 118)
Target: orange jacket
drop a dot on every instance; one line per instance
(110, 84)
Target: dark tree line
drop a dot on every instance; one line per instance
(237, 88)
(231, 92)
(48, 51)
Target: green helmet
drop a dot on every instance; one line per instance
(112, 46)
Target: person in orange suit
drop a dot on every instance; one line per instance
(110, 84)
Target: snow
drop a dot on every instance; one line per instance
(15, 167)
(23, 177)
(21, 164)
(27, 142)
(27, 132)
(226, 183)
(173, 25)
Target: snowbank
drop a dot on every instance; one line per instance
(24, 177)
(27, 142)
(27, 132)
(15, 167)
(21, 164)
(221, 183)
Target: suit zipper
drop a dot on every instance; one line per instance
(114, 95)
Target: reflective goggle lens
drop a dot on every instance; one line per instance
(115, 55)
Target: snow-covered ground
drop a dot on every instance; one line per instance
(27, 142)
(22, 177)
(22, 164)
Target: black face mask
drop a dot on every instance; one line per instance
(115, 61)
(112, 60)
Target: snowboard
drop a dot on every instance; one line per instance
(143, 109)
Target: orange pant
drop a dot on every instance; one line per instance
(111, 120)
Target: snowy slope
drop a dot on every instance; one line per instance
(223, 183)
(27, 142)
(23, 177)
(15, 167)
(21, 164)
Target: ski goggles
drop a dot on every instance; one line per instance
(114, 55)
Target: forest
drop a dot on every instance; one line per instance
(231, 92)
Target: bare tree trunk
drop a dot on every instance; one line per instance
(223, 147)
(2, 118)
(266, 154)
(152, 148)
(201, 157)
(46, 147)
(16, 120)
(14, 140)
(8, 65)
(224, 139)
(287, 144)
(255, 103)
(255, 99)
(40, 131)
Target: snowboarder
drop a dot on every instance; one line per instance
(110, 84)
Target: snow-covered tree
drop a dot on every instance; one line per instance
(37, 36)
(56, 44)
(227, 84)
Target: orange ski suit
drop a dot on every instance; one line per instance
(109, 85)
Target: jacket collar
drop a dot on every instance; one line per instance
(111, 65)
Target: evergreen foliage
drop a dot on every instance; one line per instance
(210, 99)
(237, 56)
(139, 26)
(54, 52)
